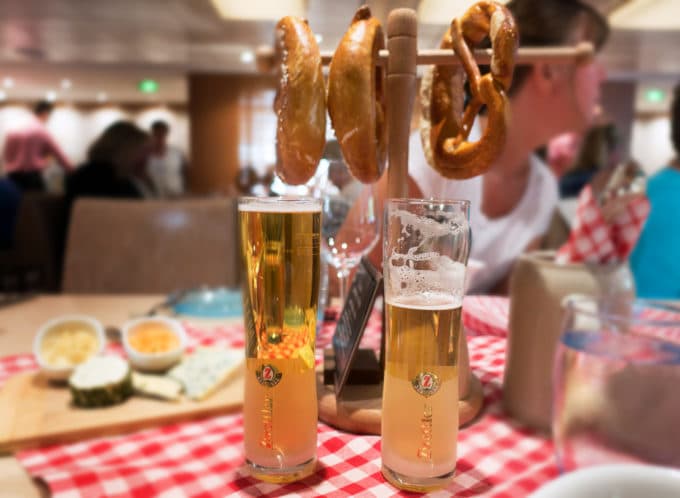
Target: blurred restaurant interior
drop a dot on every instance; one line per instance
(192, 64)
(155, 117)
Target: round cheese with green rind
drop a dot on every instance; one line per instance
(101, 381)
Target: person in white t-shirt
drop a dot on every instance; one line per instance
(513, 202)
(166, 166)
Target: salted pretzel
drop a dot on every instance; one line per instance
(300, 102)
(356, 97)
(444, 126)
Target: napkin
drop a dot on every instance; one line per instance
(605, 229)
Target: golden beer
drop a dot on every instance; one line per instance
(280, 250)
(420, 391)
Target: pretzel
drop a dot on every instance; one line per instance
(300, 102)
(444, 126)
(356, 97)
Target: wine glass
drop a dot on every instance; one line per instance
(616, 376)
(351, 225)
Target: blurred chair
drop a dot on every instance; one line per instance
(125, 246)
(33, 262)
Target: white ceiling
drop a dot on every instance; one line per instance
(108, 46)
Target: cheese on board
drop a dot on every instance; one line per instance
(101, 381)
(203, 371)
(156, 386)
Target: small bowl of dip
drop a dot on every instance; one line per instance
(155, 343)
(65, 342)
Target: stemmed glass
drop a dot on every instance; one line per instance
(351, 225)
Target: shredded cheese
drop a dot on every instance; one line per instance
(68, 344)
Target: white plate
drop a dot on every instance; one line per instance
(614, 481)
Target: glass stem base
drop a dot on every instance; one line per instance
(417, 484)
(282, 475)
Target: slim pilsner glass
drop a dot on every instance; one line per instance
(280, 240)
(425, 250)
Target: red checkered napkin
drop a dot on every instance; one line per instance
(593, 240)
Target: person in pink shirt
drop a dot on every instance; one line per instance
(27, 151)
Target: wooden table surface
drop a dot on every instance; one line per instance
(18, 324)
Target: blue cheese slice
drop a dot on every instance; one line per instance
(205, 370)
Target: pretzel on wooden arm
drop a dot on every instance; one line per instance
(445, 127)
(356, 97)
(300, 102)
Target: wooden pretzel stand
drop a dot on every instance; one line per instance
(359, 409)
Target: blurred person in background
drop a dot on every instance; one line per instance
(28, 150)
(513, 202)
(115, 166)
(594, 165)
(655, 261)
(245, 180)
(10, 197)
(597, 153)
(166, 166)
(268, 179)
(561, 152)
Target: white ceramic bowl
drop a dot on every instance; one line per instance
(614, 481)
(154, 362)
(63, 372)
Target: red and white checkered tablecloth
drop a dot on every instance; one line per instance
(496, 457)
(486, 315)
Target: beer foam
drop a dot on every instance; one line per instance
(447, 277)
(405, 274)
(427, 301)
(430, 228)
(286, 206)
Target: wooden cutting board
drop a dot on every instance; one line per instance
(34, 412)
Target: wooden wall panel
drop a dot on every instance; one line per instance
(215, 117)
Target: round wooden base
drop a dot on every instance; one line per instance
(361, 407)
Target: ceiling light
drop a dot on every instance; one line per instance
(3, 95)
(102, 97)
(66, 84)
(443, 11)
(51, 96)
(147, 85)
(318, 37)
(655, 95)
(260, 10)
(8, 82)
(247, 57)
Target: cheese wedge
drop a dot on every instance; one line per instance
(205, 370)
(156, 386)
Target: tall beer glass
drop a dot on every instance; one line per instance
(280, 248)
(425, 250)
